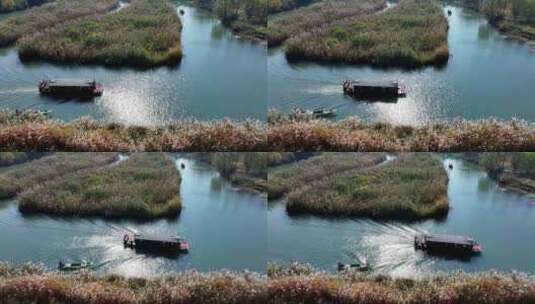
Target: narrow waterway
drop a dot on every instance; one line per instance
(502, 221)
(226, 229)
(486, 76)
(220, 76)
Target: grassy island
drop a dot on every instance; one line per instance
(146, 185)
(144, 34)
(25, 176)
(293, 176)
(42, 18)
(351, 134)
(409, 35)
(316, 18)
(413, 186)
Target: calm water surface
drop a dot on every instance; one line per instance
(503, 222)
(219, 76)
(487, 75)
(225, 228)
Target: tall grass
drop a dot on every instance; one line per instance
(144, 186)
(52, 14)
(353, 135)
(45, 169)
(414, 186)
(410, 35)
(144, 34)
(300, 174)
(31, 284)
(306, 285)
(33, 131)
(318, 17)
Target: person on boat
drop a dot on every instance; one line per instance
(61, 265)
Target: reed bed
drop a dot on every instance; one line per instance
(45, 169)
(296, 135)
(318, 18)
(144, 34)
(299, 174)
(144, 186)
(35, 285)
(34, 131)
(412, 187)
(410, 35)
(48, 15)
(303, 284)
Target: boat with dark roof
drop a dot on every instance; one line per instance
(156, 243)
(373, 89)
(447, 244)
(70, 88)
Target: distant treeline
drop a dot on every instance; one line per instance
(497, 10)
(232, 10)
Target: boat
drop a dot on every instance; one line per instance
(70, 88)
(446, 244)
(323, 113)
(183, 166)
(74, 266)
(449, 13)
(315, 113)
(182, 12)
(450, 166)
(369, 89)
(156, 243)
(361, 267)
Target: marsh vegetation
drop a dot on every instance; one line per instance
(412, 34)
(302, 284)
(45, 17)
(146, 185)
(351, 134)
(299, 174)
(56, 166)
(35, 131)
(144, 34)
(412, 186)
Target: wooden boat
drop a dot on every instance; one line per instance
(156, 243)
(449, 13)
(446, 244)
(353, 267)
(70, 88)
(74, 266)
(182, 12)
(368, 89)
